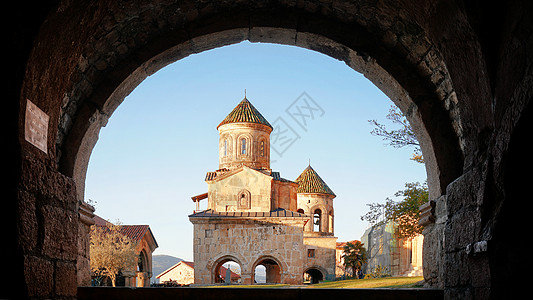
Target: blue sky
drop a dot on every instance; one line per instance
(157, 147)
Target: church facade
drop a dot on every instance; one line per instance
(255, 217)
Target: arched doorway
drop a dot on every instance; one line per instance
(226, 270)
(271, 268)
(142, 275)
(313, 275)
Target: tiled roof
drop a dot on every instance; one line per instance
(246, 214)
(134, 232)
(245, 112)
(310, 182)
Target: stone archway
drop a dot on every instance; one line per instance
(273, 269)
(427, 102)
(449, 65)
(217, 276)
(315, 274)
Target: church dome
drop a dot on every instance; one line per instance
(310, 182)
(245, 112)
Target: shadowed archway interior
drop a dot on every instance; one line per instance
(459, 70)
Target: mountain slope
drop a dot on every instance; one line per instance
(162, 262)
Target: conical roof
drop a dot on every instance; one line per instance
(310, 182)
(245, 112)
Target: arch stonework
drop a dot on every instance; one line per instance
(219, 261)
(448, 65)
(320, 269)
(281, 269)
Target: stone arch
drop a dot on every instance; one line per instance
(244, 199)
(114, 54)
(415, 42)
(142, 262)
(378, 53)
(217, 263)
(274, 268)
(323, 218)
(263, 147)
(226, 147)
(316, 272)
(244, 143)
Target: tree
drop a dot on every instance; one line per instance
(111, 251)
(404, 213)
(354, 256)
(399, 138)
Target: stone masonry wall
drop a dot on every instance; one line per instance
(246, 242)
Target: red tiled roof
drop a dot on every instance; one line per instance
(134, 232)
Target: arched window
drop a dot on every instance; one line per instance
(300, 210)
(243, 146)
(141, 262)
(317, 220)
(225, 147)
(243, 200)
(262, 148)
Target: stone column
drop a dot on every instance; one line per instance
(86, 214)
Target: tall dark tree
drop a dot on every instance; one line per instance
(354, 256)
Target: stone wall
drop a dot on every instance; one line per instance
(324, 256)
(310, 202)
(224, 193)
(247, 241)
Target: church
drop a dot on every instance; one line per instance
(256, 217)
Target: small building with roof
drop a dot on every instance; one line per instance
(255, 217)
(146, 244)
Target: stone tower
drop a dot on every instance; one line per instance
(244, 139)
(315, 198)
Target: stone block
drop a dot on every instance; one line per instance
(28, 229)
(66, 279)
(60, 233)
(39, 275)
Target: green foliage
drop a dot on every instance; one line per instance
(354, 256)
(404, 213)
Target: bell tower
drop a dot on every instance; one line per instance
(315, 198)
(244, 138)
